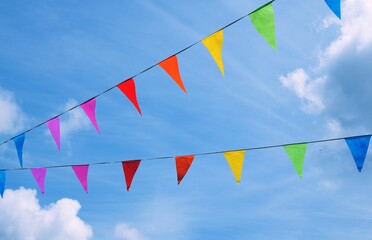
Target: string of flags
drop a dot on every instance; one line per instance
(358, 146)
(263, 19)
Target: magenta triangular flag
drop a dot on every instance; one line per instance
(90, 110)
(39, 175)
(53, 125)
(81, 172)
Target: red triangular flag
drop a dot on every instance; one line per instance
(128, 87)
(81, 172)
(183, 164)
(170, 65)
(130, 168)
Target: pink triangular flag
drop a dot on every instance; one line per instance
(90, 110)
(81, 172)
(53, 125)
(39, 175)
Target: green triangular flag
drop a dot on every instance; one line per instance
(263, 20)
(296, 152)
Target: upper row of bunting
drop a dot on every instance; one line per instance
(263, 20)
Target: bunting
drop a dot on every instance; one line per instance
(235, 159)
(2, 183)
(19, 141)
(54, 129)
(183, 164)
(81, 172)
(130, 169)
(89, 108)
(296, 152)
(39, 175)
(128, 87)
(214, 45)
(335, 6)
(170, 66)
(358, 147)
(263, 20)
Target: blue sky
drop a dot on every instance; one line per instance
(315, 86)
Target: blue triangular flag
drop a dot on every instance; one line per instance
(358, 147)
(18, 141)
(2, 182)
(335, 6)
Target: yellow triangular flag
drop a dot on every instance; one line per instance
(214, 44)
(236, 160)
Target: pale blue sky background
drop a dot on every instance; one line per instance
(316, 85)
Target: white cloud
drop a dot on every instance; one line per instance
(12, 118)
(22, 217)
(305, 88)
(125, 232)
(340, 82)
(74, 120)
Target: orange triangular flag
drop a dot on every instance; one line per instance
(130, 168)
(170, 65)
(183, 164)
(128, 87)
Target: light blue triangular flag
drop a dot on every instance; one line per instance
(18, 141)
(2, 182)
(358, 147)
(335, 6)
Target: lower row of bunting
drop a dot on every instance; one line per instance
(296, 152)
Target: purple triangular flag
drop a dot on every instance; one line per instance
(81, 172)
(39, 175)
(90, 110)
(53, 125)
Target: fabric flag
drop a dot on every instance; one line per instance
(170, 65)
(54, 128)
(39, 175)
(19, 141)
(2, 182)
(130, 168)
(235, 160)
(81, 172)
(214, 44)
(183, 164)
(263, 20)
(128, 87)
(358, 147)
(335, 6)
(296, 152)
(90, 110)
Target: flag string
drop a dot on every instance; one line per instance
(136, 75)
(198, 154)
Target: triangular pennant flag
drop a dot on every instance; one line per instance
(170, 65)
(358, 147)
(54, 128)
(335, 6)
(130, 168)
(214, 44)
(19, 141)
(263, 20)
(2, 182)
(183, 164)
(81, 172)
(39, 175)
(128, 87)
(235, 160)
(296, 152)
(90, 110)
